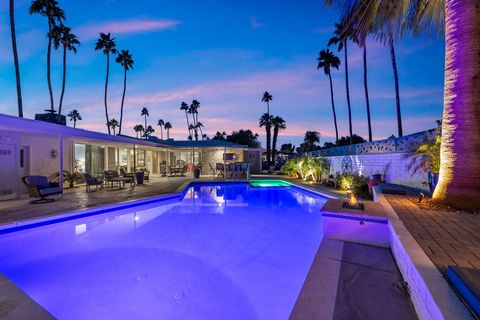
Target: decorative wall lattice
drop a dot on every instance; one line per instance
(390, 145)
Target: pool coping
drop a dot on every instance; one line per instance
(431, 295)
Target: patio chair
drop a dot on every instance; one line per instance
(92, 181)
(39, 186)
(212, 170)
(220, 168)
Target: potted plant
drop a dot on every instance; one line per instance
(197, 170)
(426, 156)
(70, 177)
(139, 175)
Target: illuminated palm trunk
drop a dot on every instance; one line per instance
(459, 181)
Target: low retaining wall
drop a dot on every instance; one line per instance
(393, 167)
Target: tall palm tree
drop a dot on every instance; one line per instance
(311, 137)
(15, 58)
(267, 97)
(326, 61)
(49, 9)
(126, 61)
(266, 121)
(113, 124)
(193, 110)
(184, 106)
(74, 116)
(138, 128)
(278, 124)
(459, 180)
(168, 126)
(62, 36)
(145, 114)
(365, 86)
(107, 44)
(161, 123)
(341, 41)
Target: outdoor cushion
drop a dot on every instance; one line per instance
(467, 283)
(38, 181)
(49, 190)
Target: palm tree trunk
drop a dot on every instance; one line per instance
(348, 95)
(333, 108)
(49, 55)
(459, 181)
(168, 134)
(123, 99)
(274, 143)
(161, 132)
(74, 123)
(188, 124)
(64, 77)
(15, 58)
(145, 121)
(269, 136)
(397, 91)
(106, 90)
(365, 84)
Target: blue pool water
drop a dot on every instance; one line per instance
(226, 251)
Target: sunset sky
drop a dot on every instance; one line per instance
(224, 54)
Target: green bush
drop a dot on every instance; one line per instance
(306, 168)
(354, 182)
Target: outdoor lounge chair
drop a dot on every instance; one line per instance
(92, 181)
(39, 186)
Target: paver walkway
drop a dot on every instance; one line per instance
(78, 199)
(448, 238)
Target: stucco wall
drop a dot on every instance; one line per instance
(392, 165)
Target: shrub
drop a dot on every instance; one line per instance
(355, 182)
(306, 168)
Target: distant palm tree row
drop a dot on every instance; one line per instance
(268, 121)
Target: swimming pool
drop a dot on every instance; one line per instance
(224, 251)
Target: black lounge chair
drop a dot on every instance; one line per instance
(92, 181)
(39, 186)
(466, 282)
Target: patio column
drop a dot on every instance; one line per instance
(61, 161)
(134, 158)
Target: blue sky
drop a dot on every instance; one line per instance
(224, 54)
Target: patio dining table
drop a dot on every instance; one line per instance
(121, 181)
(176, 171)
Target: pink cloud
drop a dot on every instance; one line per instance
(92, 30)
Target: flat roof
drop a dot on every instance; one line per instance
(17, 124)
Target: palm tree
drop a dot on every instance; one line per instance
(311, 137)
(341, 41)
(184, 106)
(49, 9)
(113, 124)
(459, 178)
(107, 44)
(126, 61)
(138, 128)
(145, 114)
(168, 126)
(278, 124)
(326, 61)
(74, 116)
(148, 132)
(15, 58)
(267, 97)
(63, 36)
(161, 123)
(199, 126)
(266, 121)
(193, 110)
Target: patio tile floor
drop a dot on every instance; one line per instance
(448, 238)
